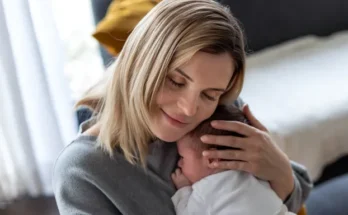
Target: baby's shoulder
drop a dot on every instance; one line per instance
(229, 181)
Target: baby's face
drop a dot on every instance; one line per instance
(191, 160)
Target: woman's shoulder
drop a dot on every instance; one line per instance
(83, 151)
(81, 176)
(82, 144)
(84, 162)
(85, 158)
(80, 155)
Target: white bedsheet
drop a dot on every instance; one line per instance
(299, 90)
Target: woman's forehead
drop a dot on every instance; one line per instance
(209, 68)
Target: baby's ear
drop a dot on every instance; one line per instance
(209, 161)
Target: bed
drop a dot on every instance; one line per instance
(299, 90)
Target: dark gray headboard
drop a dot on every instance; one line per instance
(269, 22)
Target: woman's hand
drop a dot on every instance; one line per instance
(259, 155)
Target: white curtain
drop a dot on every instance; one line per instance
(36, 115)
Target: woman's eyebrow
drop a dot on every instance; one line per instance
(188, 77)
(184, 74)
(217, 89)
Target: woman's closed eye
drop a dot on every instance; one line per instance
(211, 98)
(212, 95)
(176, 84)
(205, 95)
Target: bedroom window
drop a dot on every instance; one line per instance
(83, 63)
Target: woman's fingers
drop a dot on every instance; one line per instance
(239, 155)
(252, 119)
(235, 126)
(233, 165)
(231, 141)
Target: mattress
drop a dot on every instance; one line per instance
(299, 91)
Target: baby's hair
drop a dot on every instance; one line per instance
(222, 112)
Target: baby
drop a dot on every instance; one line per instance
(203, 190)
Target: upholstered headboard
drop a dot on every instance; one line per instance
(269, 22)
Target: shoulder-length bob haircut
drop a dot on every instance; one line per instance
(166, 38)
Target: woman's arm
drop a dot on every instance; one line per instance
(75, 189)
(302, 187)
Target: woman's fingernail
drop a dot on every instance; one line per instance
(215, 164)
(214, 123)
(204, 138)
(205, 153)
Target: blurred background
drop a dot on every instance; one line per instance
(52, 51)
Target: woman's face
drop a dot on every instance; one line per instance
(190, 94)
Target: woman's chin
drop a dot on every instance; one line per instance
(169, 137)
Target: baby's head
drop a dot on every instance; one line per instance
(190, 147)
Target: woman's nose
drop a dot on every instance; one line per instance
(188, 105)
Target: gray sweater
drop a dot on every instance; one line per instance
(87, 181)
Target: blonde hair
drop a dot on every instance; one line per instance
(167, 37)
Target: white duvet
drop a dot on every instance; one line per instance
(299, 90)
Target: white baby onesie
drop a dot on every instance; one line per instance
(229, 193)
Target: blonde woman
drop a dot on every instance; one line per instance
(181, 60)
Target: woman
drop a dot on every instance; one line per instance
(181, 61)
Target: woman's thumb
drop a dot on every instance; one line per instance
(252, 119)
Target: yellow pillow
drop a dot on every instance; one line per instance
(303, 211)
(122, 16)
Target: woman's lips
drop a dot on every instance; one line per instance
(173, 121)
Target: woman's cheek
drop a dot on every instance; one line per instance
(208, 110)
(164, 96)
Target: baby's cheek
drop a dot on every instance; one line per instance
(190, 172)
(186, 171)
